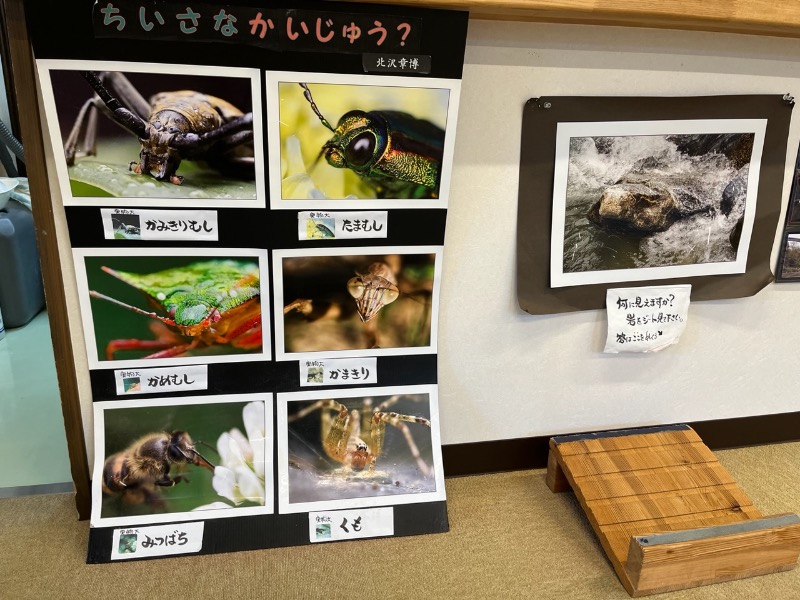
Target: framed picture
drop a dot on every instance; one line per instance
(392, 455)
(176, 112)
(789, 258)
(178, 459)
(622, 191)
(350, 141)
(653, 199)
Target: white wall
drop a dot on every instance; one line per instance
(506, 374)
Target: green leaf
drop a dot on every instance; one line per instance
(107, 174)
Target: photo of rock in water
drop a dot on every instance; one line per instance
(638, 201)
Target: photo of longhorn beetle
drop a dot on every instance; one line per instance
(347, 141)
(157, 135)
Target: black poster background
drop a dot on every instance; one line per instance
(66, 31)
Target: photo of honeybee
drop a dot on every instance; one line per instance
(151, 462)
(172, 458)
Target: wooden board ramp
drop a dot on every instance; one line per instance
(667, 513)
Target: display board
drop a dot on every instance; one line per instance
(256, 201)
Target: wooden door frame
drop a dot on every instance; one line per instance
(19, 55)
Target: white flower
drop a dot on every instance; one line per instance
(240, 477)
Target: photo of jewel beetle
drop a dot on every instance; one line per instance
(380, 301)
(346, 138)
(183, 306)
(162, 460)
(346, 448)
(182, 133)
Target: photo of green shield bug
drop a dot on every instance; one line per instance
(201, 307)
(395, 153)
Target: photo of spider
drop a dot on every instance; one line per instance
(359, 447)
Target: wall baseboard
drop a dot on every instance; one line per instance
(531, 453)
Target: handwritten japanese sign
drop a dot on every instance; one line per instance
(160, 540)
(135, 224)
(339, 371)
(161, 380)
(646, 319)
(274, 28)
(332, 526)
(322, 225)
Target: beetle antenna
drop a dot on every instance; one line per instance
(309, 97)
(130, 121)
(135, 309)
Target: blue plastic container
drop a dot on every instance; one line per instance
(21, 292)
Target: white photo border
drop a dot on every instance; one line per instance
(44, 66)
(278, 301)
(96, 520)
(272, 81)
(566, 131)
(84, 301)
(286, 507)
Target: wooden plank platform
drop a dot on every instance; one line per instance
(667, 513)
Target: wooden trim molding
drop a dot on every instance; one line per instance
(478, 458)
(755, 17)
(24, 79)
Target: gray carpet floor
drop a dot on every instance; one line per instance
(510, 537)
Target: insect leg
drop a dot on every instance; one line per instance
(175, 350)
(397, 420)
(127, 94)
(122, 115)
(88, 112)
(335, 432)
(115, 346)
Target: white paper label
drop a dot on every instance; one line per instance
(161, 380)
(338, 371)
(140, 224)
(338, 525)
(159, 540)
(316, 225)
(646, 319)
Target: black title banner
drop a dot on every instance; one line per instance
(279, 29)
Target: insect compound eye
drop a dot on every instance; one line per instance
(389, 295)
(180, 446)
(355, 287)
(360, 150)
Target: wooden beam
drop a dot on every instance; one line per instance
(671, 561)
(24, 78)
(756, 17)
